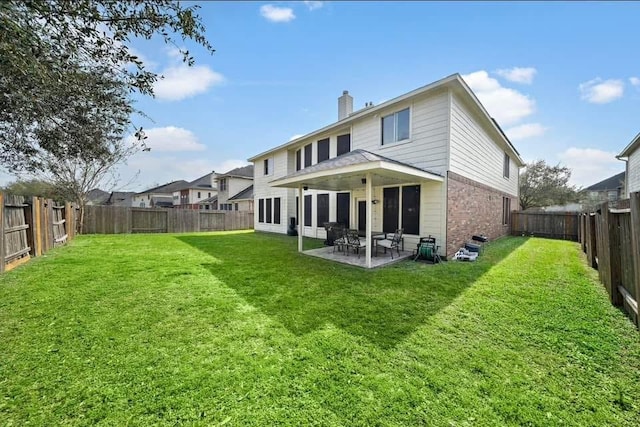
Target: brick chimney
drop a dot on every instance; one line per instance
(345, 105)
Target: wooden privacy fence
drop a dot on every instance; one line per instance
(123, 220)
(554, 225)
(611, 239)
(31, 226)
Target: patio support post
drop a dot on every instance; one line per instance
(369, 205)
(300, 219)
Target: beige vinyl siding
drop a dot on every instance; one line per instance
(427, 144)
(475, 154)
(633, 171)
(262, 190)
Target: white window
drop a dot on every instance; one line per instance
(223, 184)
(505, 167)
(268, 166)
(395, 127)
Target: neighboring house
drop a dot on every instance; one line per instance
(431, 161)
(209, 204)
(234, 189)
(120, 198)
(190, 195)
(97, 197)
(243, 201)
(631, 155)
(607, 190)
(143, 199)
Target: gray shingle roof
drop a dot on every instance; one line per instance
(611, 183)
(247, 193)
(209, 200)
(167, 188)
(244, 171)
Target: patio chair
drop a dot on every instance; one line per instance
(393, 243)
(340, 241)
(354, 243)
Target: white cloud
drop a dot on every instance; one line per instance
(506, 105)
(590, 165)
(635, 81)
(277, 14)
(523, 75)
(296, 136)
(171, 138)
(182, 81)
(313, 5)
(598, 91)
(527, 130)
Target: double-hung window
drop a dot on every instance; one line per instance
(505, 166)
(268, 166)
(395, 127)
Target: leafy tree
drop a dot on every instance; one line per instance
(48, 50)
(32, 187)
(544, 185)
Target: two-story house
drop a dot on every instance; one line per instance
(631, 155)
(235, 189)
(198, 190)
(158, 197)
(431, 161)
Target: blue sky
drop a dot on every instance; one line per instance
(563, 79)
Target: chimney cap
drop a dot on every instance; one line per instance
(345, 92)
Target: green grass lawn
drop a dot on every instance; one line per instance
(240, 329)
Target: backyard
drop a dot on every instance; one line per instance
(240, 329)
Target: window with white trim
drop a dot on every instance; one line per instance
(395, 127)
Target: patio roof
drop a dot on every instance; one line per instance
(348, 170)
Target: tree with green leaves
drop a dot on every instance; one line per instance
(544, 185)
(74, 52)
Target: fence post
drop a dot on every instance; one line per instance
(591, 240)
(1, 232)
(634, 200)
(611, 234)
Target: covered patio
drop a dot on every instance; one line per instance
(380, 260)
(356, 170)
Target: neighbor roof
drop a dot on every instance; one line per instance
(612, 183)
(247, 193)
(203, 181)
(209, 200)
(633, 145)
(454, 81)
(166, 188)
(242, 172)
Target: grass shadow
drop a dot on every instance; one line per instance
(305, 294)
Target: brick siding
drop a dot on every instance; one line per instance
(473, 208)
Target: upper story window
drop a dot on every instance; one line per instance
(505, 168)
(223, 184)
(307, 155)
(344, 144)
(268, 166)
(395, 127)
(323, 149)
(299, 159)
